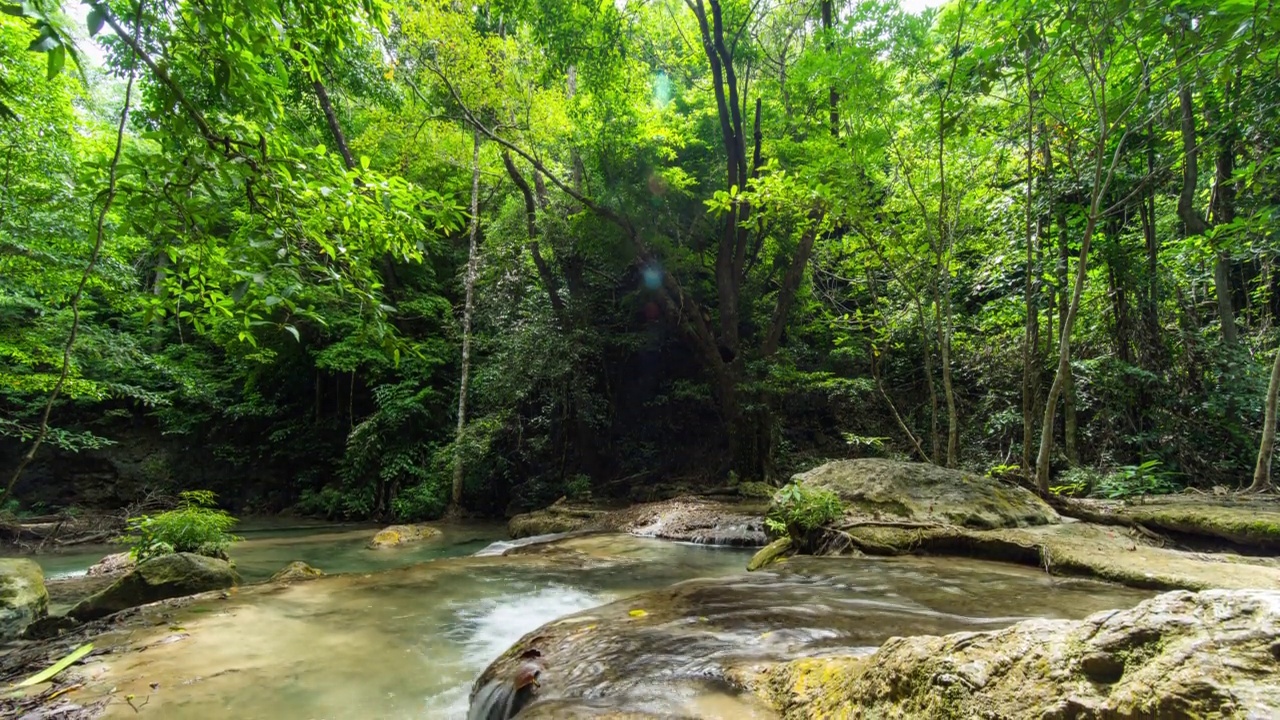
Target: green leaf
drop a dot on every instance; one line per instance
(57, 667)
(294, 332)
(97, 17)
(57, 58)
(364, 161)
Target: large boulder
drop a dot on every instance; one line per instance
(1178, 656)
(397, 535)
(23, 598)
(888, 490)
(159, 578)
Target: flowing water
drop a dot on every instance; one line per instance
(409, 642)
(271, 543)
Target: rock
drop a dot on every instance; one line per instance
(160, 578)
(23, 598)
(696, 520)
(687, 519)
(1074, 548)
(1248, 524)
(558, 518)
(1178, 656)
(683, 640)
(50, 626)
(113, 564)
(769, 554)
(397, 535)
(296, 570)
(888, 490)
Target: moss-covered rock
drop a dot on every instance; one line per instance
(888, 490)
(1250, 524)
(769, 554)
(397, 535)
(1176, 657)
(23, 597)
(160, 578)
(1106, 552)
(558, 518)
(296, 570)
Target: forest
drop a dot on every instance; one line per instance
(396, 258)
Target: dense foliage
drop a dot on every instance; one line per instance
(196, 525)
(714, 240)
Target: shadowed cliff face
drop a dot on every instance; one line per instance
(669, 652)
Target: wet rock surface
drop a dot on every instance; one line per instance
(684, 519)
(661, 652)
(888, 490)
(23, 597)
(397, 535)
(1178, 656)
(160, 578)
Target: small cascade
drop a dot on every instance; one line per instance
(502, 547)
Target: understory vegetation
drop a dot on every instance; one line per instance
(378, 259)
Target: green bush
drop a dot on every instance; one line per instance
(798, 510)
(1149, 478)
(578, 488)
(195, 526)
(1077, 482)
(424, 501)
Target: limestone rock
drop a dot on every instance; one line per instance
(687, 519)
(878, 489)
(23, 598)
(1076, 548)
(397, 535)
(1245, 523)
(1178, 656)
(296, 570)
(113, 564)
(159, 578)
(558, 518)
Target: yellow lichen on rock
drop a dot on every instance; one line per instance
(401, 535)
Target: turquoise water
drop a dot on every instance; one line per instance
(271, 543)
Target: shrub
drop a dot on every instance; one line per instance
(798, 510)
(578, 488)
(424, 501)
(194, 526)
(1131, 480)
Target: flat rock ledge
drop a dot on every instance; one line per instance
(687, 519)
(1072, 548)
(1178, 656)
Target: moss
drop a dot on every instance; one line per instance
(769, 554)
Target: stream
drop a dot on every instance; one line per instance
(395, 637)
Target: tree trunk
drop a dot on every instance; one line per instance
(1030, 336)
(455, 501)
(1192, 223)
(1069, 433)
(1262, 471)
(833, 98)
